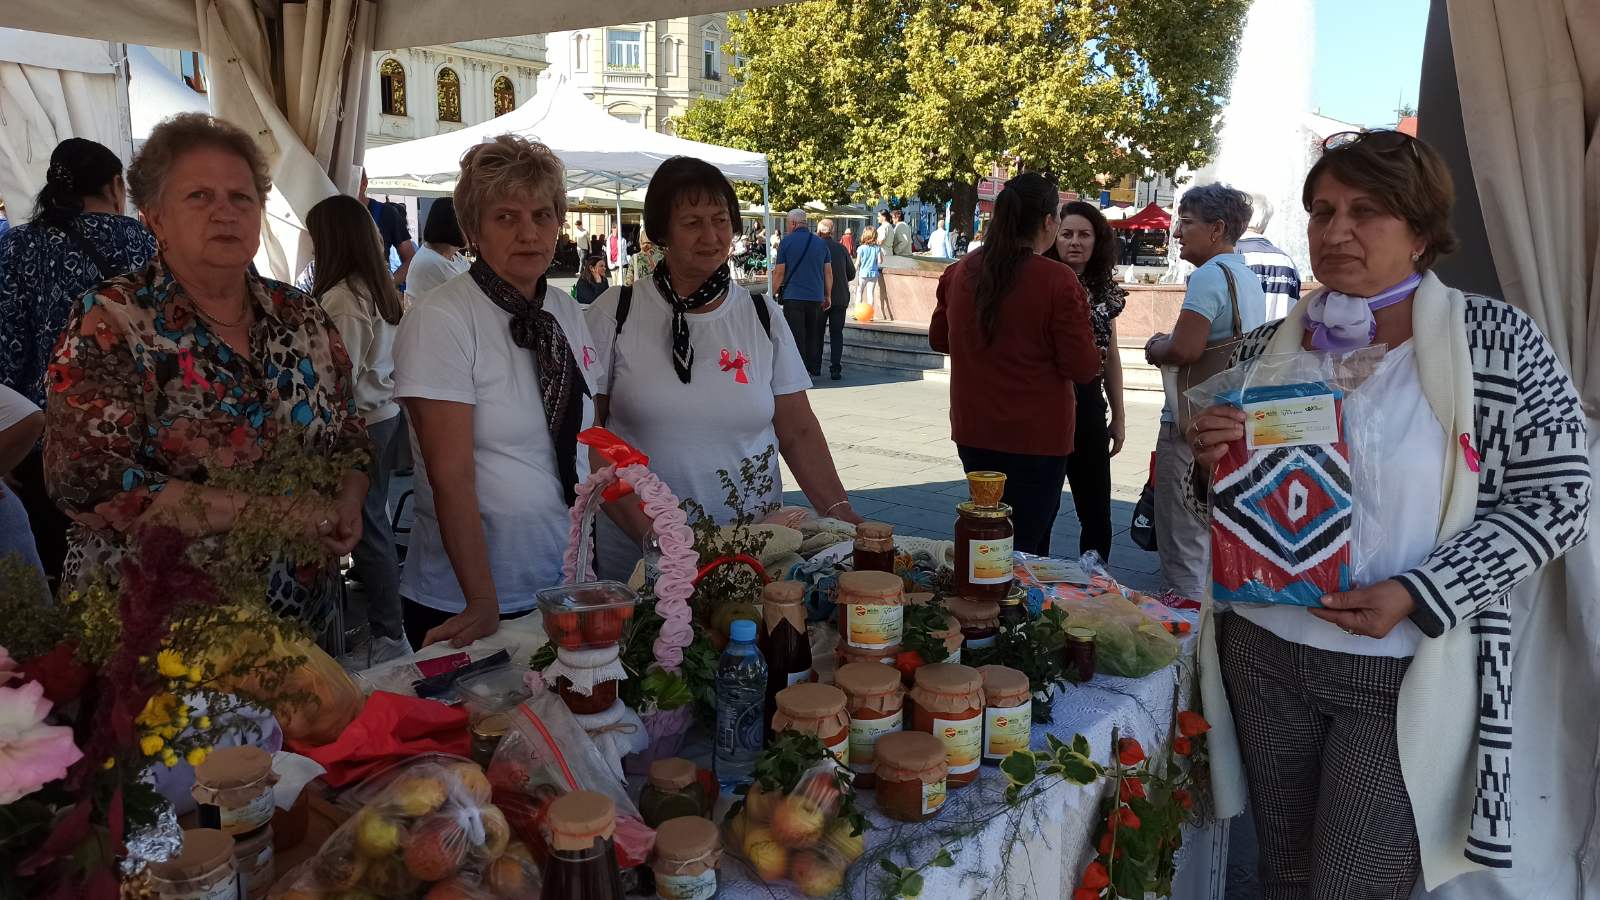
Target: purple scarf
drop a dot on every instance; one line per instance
(1340, 322)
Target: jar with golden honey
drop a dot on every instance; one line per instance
(947, 702)
(871, 610)
(1007, 712)
(912, 775)
(875, 700)
(817, 709)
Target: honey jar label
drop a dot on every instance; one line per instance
(989, 561)
(252, 815)
(864, 734)
(874, 626)
(963, 742)
(687, 887)
(1006, 729)
(841, 749)
(933, 796)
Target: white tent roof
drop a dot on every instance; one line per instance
(154, 93)
(600, 151)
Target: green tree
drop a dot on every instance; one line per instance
(873, 99)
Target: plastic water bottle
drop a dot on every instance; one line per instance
(741, 705)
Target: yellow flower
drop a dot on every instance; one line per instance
(158, 710)
(204, 724)
(195, 674)
(151, 744)
(110, 763)
(197, 756)
(169, 758)
(171, 665)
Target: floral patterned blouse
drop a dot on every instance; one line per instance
(1106, 302)
(140, 392)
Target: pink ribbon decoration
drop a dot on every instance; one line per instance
(191, 378)
(1474, 463)
(735, 364)
(588, 356)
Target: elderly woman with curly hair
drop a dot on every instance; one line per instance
(496, 371)
(194, 364)
(1375, 729)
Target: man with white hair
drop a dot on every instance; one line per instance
(1280, 279)
(803, 275)
(844, 272)
(939, 241)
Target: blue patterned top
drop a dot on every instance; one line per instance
(43, 271)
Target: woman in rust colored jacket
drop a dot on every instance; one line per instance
(1016, 326)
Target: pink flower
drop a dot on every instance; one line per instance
(32, 754)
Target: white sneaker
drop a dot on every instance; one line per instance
(384, 649)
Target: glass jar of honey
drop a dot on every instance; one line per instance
(983, 536)
(911, 775)
(1007, 712)
(817, 709)
(874, 547)
(871, 610)
(947, 702)
(979, 621)
(875, 701)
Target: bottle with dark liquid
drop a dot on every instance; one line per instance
(874, 550)
(583, 860)
(783, 641)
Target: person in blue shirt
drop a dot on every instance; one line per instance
(391, 221)
(804, 279)
(1211, 218)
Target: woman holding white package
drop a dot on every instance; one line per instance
(1369, 759)
(697, 373)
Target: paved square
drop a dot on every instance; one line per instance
(890, 438)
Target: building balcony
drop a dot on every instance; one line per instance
(627, 77)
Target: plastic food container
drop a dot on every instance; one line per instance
(493, 690)
(586, 616)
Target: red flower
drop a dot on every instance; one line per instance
(1129, 753)
(1183, 798)
(1126, 818)
(1095, 877)
(908, 661)
(1192, 724)
(1105, 844)
(1182, 746)
(59, 671)
(1131, 787)
(1085, 894)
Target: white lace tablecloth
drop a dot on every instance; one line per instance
(1055, 827)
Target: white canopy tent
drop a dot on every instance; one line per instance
(601, 152)
(154, 93)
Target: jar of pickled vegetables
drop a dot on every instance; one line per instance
(672, 791)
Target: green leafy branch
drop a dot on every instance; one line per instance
(1068, 762)
(906, 881)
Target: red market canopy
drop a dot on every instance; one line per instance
(1152, 217)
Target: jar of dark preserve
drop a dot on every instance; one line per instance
(1014, 609)
(874, 548)
(983, 551)
(579, 827)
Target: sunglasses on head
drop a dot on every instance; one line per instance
(1383, 140)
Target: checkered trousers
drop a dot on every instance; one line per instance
(1317, 733)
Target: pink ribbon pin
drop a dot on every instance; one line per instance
(1473, 461)
(735, 364)
(191, 378)
(588, 356)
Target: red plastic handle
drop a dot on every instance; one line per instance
(616, 451)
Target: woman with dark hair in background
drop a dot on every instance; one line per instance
(1016, 326)
(78, 238)
(592, 279)
(355, 290)
(1085, 243)
(440, 258)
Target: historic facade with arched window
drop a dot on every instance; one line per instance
(392, 87)
(449, 87)
(505, 95)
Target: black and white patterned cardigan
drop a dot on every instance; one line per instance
(1534, 489)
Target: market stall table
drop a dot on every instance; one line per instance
(1035, 850)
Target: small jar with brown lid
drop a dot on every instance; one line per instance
(204, 869)
(871, 610)
(578, 828)
(875, 700)
(1007, 712)
(672, 792)
(817, 709)
(947, 702)
(688, 851)
(847, 655)
(912, 775)
(953, 639)
(874, 549)
(233, 788)
(980, 621)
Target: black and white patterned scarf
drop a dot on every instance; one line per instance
(561, 384)
(715, 286)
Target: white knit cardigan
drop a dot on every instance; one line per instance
(1492, 378)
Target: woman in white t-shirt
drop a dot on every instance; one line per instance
(21, 423)
(496, 370)
(440, 258)
(353, 285)
(700, 375)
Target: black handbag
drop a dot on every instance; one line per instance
(1142, 529)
